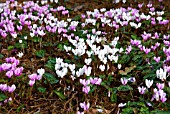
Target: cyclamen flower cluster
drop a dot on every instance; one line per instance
(62, 68)
(9, 17)
(11, 67)
(124, 80)
(162, 74)
(159, 95)
(86, 87)
(5, 87)
(36, 76)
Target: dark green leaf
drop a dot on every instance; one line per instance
(36, 39)
(92, 89)
(67, 61)
(51, 78)
(124, 88)
(136, 57)
(150, 76)
(60, 46)
(40, 53)
(51, 64)
(77, 18)
(134, 36)
(42, 89)
(60, 94)
(127, 111)
(2, 97)
(124, 59)
(113, 97)
(10, 47)
(19, 45)
(1, 56)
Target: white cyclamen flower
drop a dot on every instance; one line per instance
(20, 54)
(148, 83)
(122, 105)
(102, 67)
(119, 66)
(41, 71)
(88, 61)
(161, 74)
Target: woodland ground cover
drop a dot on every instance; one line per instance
(113, 59)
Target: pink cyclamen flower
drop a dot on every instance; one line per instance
(10, 59)
(96, 81)
(153, 22)
(9, 73)
(18, 71)
(152, 9)
(12, 88)
(85, 106)
(6, 66)
(140, 5)
(142, 90)
(83, 16)
(149, 5)
(156, 35)
(128, 50)
(39, 77)
(157, 59)
(32, 76)
(3, 34)
(162, 95)
(86, 89)
(19, 28)
(146, 50)
(31, 82)
(3, 87)
(84, 82)
(124, 81)
(160, 86)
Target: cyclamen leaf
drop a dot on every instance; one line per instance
(124, 59)
(36, 39)
(10, 48)
(113, 97)
(2, 97)
(127, 110)
(60, 94)
(60, 46)
(51, 78)
(150, 76)
(124, 88)
(134, 36)
(42, 89)
(40, 53)
(1, 56)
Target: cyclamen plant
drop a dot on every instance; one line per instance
(115, 49)
(10, 67)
